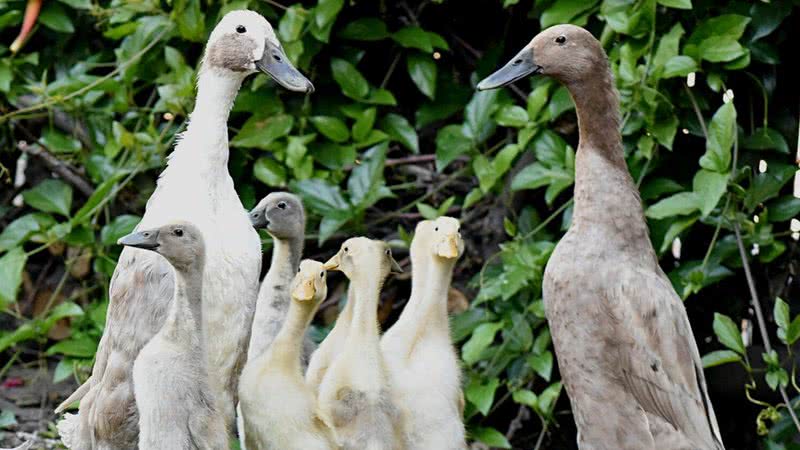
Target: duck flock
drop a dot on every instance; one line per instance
(196, 352)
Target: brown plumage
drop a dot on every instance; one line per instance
(625, 348)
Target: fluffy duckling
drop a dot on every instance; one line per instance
(177, 408)
(422, 362)
(279, 411)
(354, 396)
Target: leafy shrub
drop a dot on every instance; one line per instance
(396, 132)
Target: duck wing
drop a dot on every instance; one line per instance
(660, 363)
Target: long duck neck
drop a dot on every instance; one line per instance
(605, 194)
(207, 132)
(364, 324)
(431, 307)
(288, 344)
(286, 254)
(185, 317)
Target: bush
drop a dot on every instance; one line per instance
(396, 132)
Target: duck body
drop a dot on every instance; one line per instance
(355, 398)
(422, 363)
(279, 411)
(625, 348)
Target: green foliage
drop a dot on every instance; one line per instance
(396, 83)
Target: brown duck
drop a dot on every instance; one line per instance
(623, 340)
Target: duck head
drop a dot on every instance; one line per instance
(567, 53)
(281, 214)
(181, 243)
(446, 238)
(310, 283)
(244, 42)
(360, 254)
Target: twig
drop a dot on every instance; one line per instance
(762, 327)
(390, 71)
(56, 165)
(410, 160)
(62, 120)
(697, 111)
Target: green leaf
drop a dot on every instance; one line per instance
(676, 205)
(726, 25)
(721, 133)
(332, 128)
(321, 197)
(190, 20)
(270, 172)
(381, 97)
(542, 364)
(291, 25)
(62, 311)
(559, 103)
(780, 210)
(81, 347)
(565, 11)
(413, 37)
(54, 16)
(422, 71)
(349, 79)
(50, 195)
(401, 131)
(548, 397)
(118, 227)
(728, 333)
(677, 4)
(427, 211)
(668, 47)
(720, 49)
(481, 338)
(364, 124)
(780, 312)
(481, 394)
(793, 332)
(536, 100)
(259, 132)
(490, 437)
(679, 66)
(766, 139)
(11, 266)
(709, 187)
(720, 357)
(367, 177)
(451, 142)
(512, 116)
(57, 142)
(21, 228)
(768, 184)
(326, 11)
(365, 29)
(478, 114)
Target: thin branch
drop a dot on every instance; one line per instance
(697, 111)
(410, 160)
(56, 165)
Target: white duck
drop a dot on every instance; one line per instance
(354, 397)
(177, 408)
(279, 410)
(422, 362)
(195, 187)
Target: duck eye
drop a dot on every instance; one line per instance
(561, 39)
(322, 274)
(436, 229)
(517, 62)
(388, 252)
(282, 205)
(277, 57)
(241, 29)
(178, 232)
(346, 249)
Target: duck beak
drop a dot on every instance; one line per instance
(395, 265)
(275, 64)
(333, 263)
(147, 240)
(258, 218)
(304, 291)
(449, 247)
(519, 66)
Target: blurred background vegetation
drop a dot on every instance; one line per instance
(91, 105)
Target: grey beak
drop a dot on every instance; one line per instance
(258, 219)
(520, 66)
(275, 64)
(147, 240)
